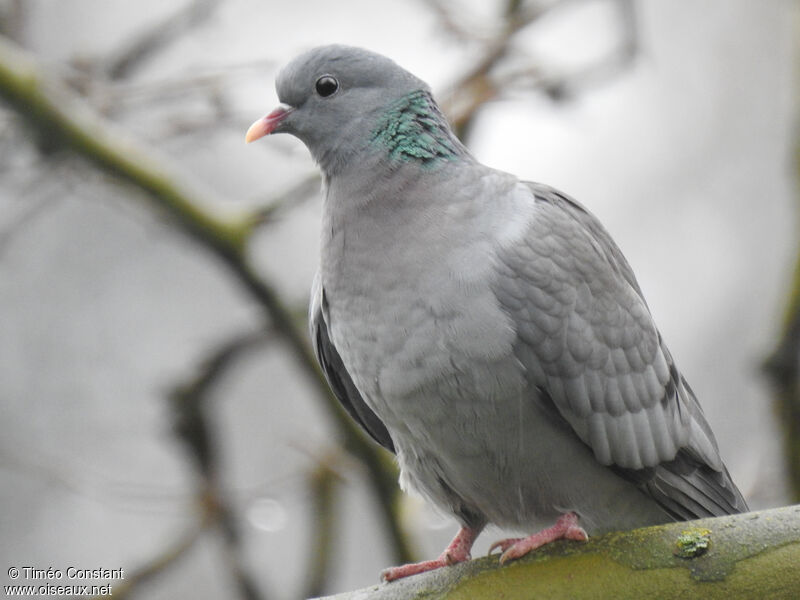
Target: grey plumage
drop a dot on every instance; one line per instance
(487, 330)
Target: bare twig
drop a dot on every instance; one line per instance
(194, 427)
(12, 19)
(783, 365)
(142, 48)
(484, 82)
(476, 87)
(232, 549)
(189, 401)
(454, 22)
(322, 483)
(560, 86)
(782, 370)
(166, 559)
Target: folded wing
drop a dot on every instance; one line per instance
(335, 372)
(590, 347)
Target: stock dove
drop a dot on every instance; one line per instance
(486, 330)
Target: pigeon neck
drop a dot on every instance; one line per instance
(413, 130)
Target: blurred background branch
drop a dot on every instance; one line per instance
(149, 43)
(322, 483)
(490, 78)
(782, 367)
(782, 370)
(162, 562)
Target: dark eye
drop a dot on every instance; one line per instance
(326, 86)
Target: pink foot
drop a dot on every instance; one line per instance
(456, 552)
(566, 528)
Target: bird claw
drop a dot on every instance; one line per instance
(445, 560)
(458, 551)
(565, 528)
(393, 573)
(503, 545)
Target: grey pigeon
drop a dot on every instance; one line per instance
(486, 330)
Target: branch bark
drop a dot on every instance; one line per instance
(754, 555)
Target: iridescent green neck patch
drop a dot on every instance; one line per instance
(413, 129)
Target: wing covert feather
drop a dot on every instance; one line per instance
(586, 337)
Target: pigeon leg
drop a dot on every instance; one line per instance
(566, 528)
(456, 552)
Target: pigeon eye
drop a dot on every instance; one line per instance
(326, 86)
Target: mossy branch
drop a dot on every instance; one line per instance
(60, 120)
(737, 557)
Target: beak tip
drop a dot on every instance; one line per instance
(266, 125)
(256, 131)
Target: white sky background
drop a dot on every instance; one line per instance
(684, 157)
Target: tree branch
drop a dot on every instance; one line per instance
(193, 425)
(782, 370)
(166, 559)
(737, 557)
(137, 51)
(322, 482)
(484, 81)
(782, 367)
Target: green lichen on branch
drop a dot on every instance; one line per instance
(692, 542)
(754, 555)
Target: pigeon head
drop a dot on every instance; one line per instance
(343, 102)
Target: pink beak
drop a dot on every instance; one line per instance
(267, 125)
